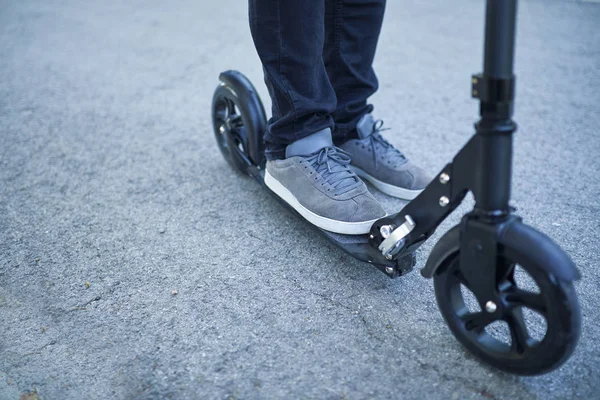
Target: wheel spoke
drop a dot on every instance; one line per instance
(221, 116)
(228, 103)
(505, 270)
(230, 107)
(520, 339)
(522, 298)
(236, 121)
(477, 321)
(460, 277)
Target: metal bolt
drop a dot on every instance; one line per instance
(490, 306)
(371, 237)
(386, 231)
(444, 178)
(222, 129)
(444, 201)
(389, 257)
(389, 270)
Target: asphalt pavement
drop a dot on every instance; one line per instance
(135, 264)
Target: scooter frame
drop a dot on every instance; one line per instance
(482, 251)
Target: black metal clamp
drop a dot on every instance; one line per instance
(493, 90)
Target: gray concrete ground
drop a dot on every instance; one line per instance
(109, 174)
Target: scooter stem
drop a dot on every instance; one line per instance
(495, 88)
(500, 22)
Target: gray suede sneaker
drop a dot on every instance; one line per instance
(316, 180)
(380, 163)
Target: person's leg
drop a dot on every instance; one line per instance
(303, 166)
(352, 30)
(289, 37)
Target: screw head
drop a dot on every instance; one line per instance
(222, 129)
(371, 237)
(444, 201)
(444, 178)
(490, 307)
(386, 231)
(389, 270)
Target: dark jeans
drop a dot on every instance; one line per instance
(317, 57)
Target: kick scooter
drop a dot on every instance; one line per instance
(480, 254)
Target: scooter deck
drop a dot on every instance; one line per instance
(356, 245)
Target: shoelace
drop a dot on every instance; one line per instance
(332, 164)
(393, 154)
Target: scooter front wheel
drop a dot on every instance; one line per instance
(535, 326)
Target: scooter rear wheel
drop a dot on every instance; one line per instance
(510, 335)
(239, 122)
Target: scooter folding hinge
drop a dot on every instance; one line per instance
(396, 240)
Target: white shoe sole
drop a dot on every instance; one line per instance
(328, 224)
(391, 190)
